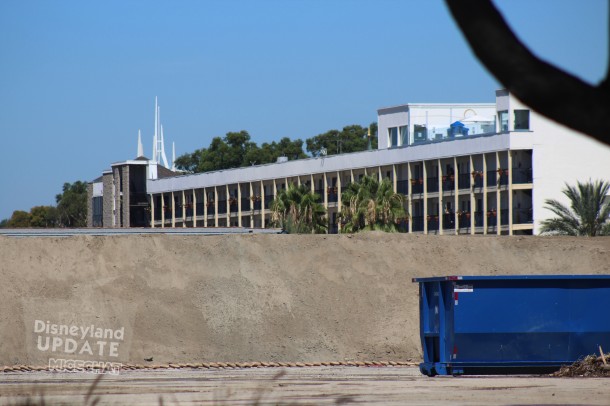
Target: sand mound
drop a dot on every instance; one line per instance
(244, 298)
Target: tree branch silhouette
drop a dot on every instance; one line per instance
(545, 88)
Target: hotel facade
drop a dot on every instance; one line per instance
(467, 168)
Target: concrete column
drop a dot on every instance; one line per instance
(183, 209)
(239, 205)
(152, 211)
(162, 210)
(409, 198)
(441, 201)
(125, 198)
(173, 210)
(228, 204)
(215, 206)
(425, 190)
(456, 200)
(472, 198)
(194, 208)
(339, 199)
(108, 199)
(205, 207)
(498, 202)
(484, 194)
(262, 205)
(510, 192)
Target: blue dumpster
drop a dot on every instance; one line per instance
(511, 324)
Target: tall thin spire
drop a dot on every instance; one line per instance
(155, 146)
(140, 146)
(163, 156)
(173, 156)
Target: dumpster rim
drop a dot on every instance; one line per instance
(506, 277)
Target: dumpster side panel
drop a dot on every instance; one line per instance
(491, 323)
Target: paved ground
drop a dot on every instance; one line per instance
(312, 385)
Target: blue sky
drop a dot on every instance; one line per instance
(79, 78)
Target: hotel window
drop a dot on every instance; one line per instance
(503, 115)
(404, 135)
(393, 136)
(522, 119)
(421, 133)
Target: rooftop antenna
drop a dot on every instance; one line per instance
(140, 146)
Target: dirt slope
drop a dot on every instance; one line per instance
(250, 297)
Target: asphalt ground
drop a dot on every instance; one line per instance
(296, 386)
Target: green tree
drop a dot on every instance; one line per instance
(236, 150)
(588, 215)
(189, 162)
(297, 210)
(352, 138)
(44, 216)
(20, 219)
(72, 205)
(4, 223)
(371, 205)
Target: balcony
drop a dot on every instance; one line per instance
(432, 184)
(245, 204)
(332, 193)
(222, 207)
(522, 176)
(402, 186)
(448, 183)
(477, 179)
(449, 221)
(403, 225)
(523, 216)
(464, 181)
(504, 216)
(418, 223)
(233, 205)
(432, 222)
(464, 220)
(478, 219)
(492, 218)
(268, 200)
(417, 186)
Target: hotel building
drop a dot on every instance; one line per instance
(471, 168)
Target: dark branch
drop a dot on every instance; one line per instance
(550, 91)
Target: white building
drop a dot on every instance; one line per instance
(464, 168)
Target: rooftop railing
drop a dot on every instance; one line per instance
(432, 134)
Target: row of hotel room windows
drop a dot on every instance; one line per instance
(399, 136)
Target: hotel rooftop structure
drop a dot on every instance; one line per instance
(466, 168)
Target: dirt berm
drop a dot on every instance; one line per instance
(244, 298)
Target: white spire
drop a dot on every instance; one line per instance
(173, 156)
(163, 156)
(154, 151)
(140, 146)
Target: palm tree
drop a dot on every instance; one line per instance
(371, 205)
(297, 210)
(589, 214)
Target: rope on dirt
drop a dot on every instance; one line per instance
(224, 365)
